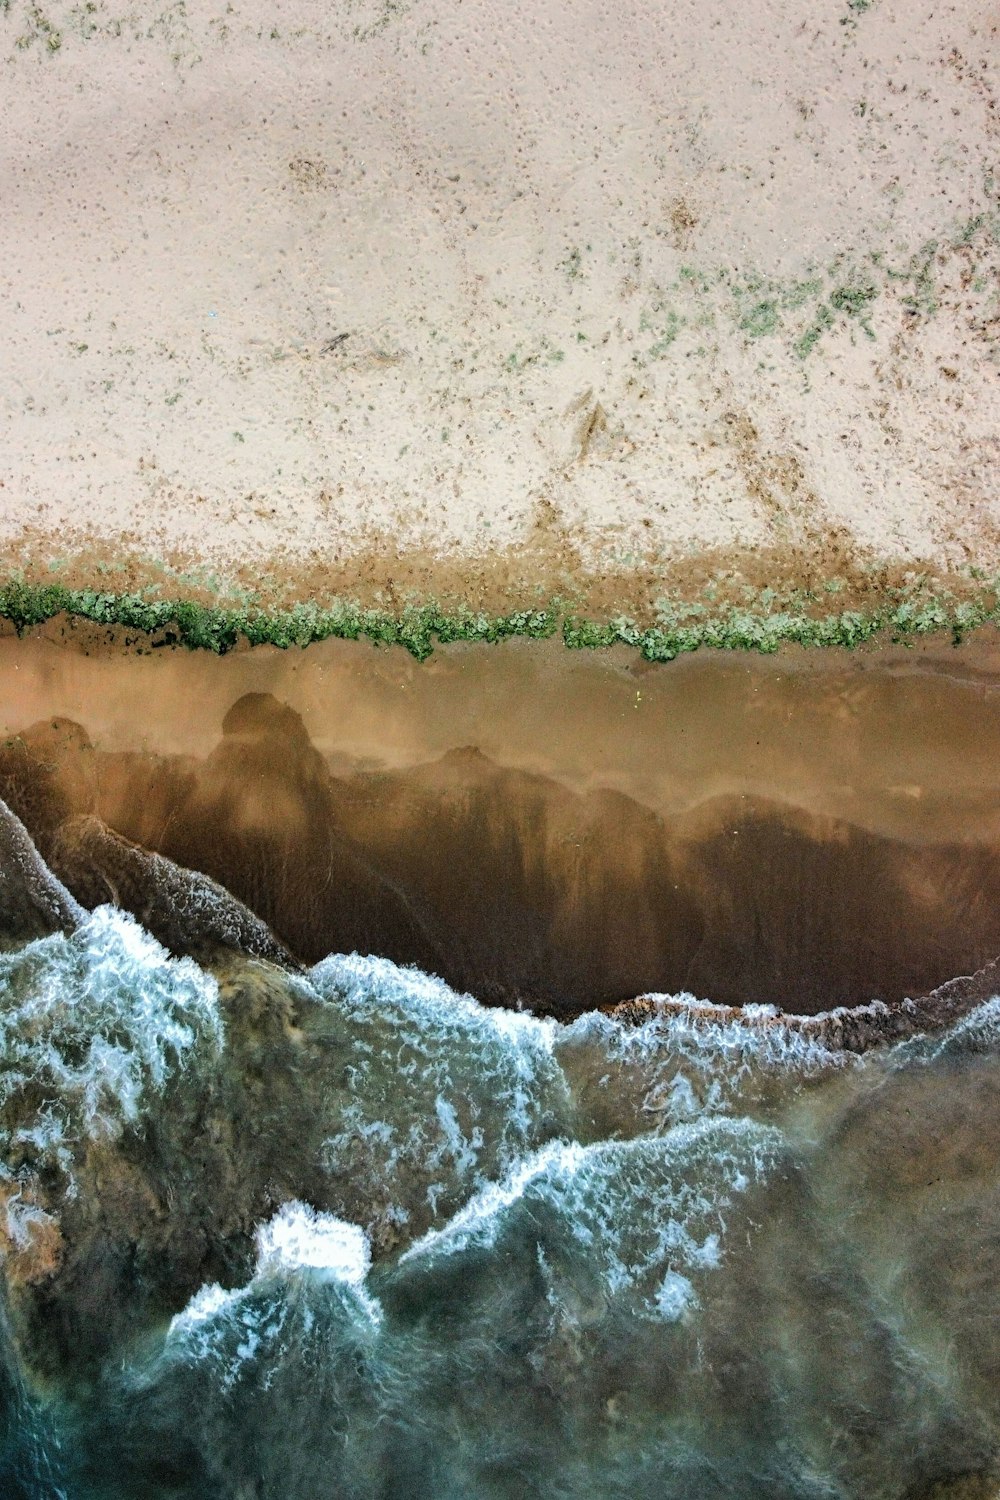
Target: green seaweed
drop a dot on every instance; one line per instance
(672, 325)
(923, 300)
(764, 624)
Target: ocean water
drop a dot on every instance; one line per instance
(343, 1232)
(348, 1150)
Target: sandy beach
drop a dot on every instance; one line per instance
(441, 1063)
(467, 302)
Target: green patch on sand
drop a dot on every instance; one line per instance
(764, 623)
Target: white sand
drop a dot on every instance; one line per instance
(582, 255)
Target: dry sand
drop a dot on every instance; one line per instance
(460, 298)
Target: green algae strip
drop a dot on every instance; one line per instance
(419, 627)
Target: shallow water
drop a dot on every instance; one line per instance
(541, 827)
(314, 1229)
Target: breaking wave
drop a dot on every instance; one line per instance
(344, 1232)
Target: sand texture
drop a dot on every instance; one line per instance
(499, 302)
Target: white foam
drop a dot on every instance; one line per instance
(978, 1030)
(300, 1237)
(675, 1296)
(442, 1094)
(688, 1064)
(89, 1024)
(354, 979)
(480, 1220)
(297, 1242)
(22, 1217)
(637, 1209)
(205, 1305)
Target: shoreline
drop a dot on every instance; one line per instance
(764, 622)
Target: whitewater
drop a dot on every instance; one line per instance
(341, 1231)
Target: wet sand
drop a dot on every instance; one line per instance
(553, 829)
